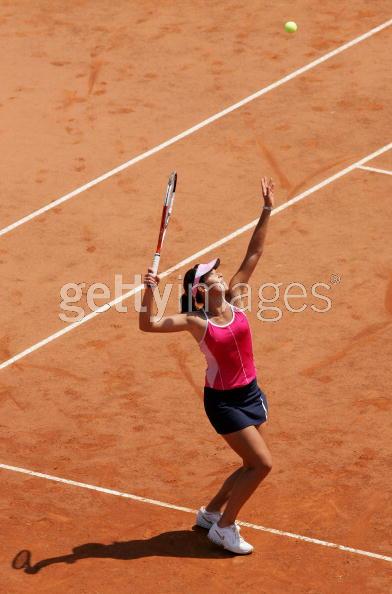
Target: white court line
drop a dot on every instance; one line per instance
(195, 128)
(376, 170)
(193, 511)
(193, 257)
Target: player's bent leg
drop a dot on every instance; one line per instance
(251, 447)
(217, 503)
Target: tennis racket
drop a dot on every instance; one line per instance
(166, 212)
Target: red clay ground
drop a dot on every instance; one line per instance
(109, 406)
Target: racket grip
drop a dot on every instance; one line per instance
(155, 263)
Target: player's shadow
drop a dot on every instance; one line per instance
(177, 543)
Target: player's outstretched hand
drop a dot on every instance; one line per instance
(150, 280)
(267, 187)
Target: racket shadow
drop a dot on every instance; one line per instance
(177, 543)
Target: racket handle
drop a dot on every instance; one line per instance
(155, 263)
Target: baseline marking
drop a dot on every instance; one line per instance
(193, 511)
(375, 170)
(195, 128)
(193, 257)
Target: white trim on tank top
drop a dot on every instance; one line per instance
(233, 309)
(221, 325)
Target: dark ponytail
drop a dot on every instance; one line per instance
(188, 301)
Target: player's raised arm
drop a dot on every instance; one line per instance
(256, 244)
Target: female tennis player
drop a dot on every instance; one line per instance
(233, 401)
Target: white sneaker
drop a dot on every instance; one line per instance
(206, 519)
(229, 538)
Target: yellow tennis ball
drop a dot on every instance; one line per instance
(291, 27)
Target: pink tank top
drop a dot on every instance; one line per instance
(229, 354)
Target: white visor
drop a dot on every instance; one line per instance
(201, 270)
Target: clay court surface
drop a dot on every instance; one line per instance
(88, 86)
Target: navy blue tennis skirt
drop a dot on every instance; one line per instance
(232, 410)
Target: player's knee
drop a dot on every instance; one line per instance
(263, 465)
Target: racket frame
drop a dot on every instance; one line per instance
(168, 202)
